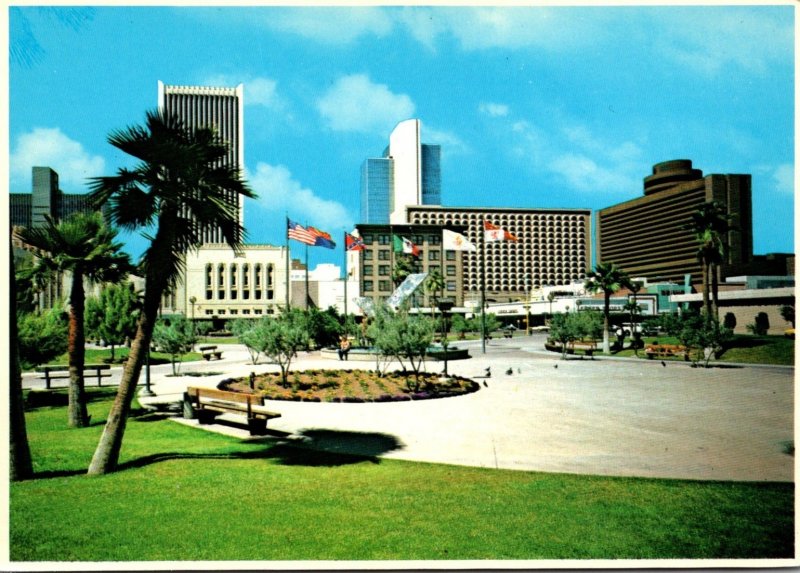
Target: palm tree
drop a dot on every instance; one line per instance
(83, 246)
(434, 284)
(606, 278)
(21, 466)
(181, 186)
(710, 225)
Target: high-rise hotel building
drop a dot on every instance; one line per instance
(408, 173)
(647, 236)
(220, 108)
(553, 247)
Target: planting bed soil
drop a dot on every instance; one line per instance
(352, 386)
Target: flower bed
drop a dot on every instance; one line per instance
(352, 386)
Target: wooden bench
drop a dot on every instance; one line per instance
(666, 351)
(208, 403)
(588, 348)
(210, 352)
(61, 371)
(508, 334)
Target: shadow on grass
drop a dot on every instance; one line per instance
(313, 448)
(57, 397)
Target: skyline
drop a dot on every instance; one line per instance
(534, 107)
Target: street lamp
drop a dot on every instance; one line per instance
(444, 308)
(146, 391)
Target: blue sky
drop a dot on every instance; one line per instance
(533, 106)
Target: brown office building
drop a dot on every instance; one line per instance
(646, 238)
(377, 260)
(553, 247)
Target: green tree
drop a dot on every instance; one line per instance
(787, 312)
(703, 336)
(710, 225)
(181, 186)
(282, 338)
(176, 337)
(42, 336)
(607, 278)
(83, 246)
(21, 465)
(491, 323)
(761, 325)
(403, 266)
(403, 337)
(112, 316)
(459, 325)
(323, 326)
(434, 285)
(245, 330)
(564, 329)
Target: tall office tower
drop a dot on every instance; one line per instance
(408, 174)
(220, 108)
(647, 236)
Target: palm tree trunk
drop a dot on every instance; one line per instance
(706, 301)
(19, 450)
(106, 456)
(713, 271)
(606, 312)
(77, 414)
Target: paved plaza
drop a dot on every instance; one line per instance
(606, 416)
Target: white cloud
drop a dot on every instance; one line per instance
(257, 90)
(339, 25)
(493, 109)
(279, 192)
(706, 40)
(783, 177)
(49, 147)
(582, 160)
(584, 174)
(450, 142)
(355, 103)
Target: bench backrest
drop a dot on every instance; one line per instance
(197, 393)
(64, 368)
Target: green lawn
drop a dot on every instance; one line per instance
(188, 494)
(745, 348)
(103, 355)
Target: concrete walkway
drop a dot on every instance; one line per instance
(604, 416)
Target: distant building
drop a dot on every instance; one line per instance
(222, 284)
(29, 210)
(46, 199)
(646, 236)
(408, 173)
(373, 267)
(553, 247)
(220, 108)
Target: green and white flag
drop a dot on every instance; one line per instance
(403, 245)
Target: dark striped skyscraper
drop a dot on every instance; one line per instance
(220, 108)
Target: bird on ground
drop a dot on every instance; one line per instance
(485, 384)
(509, 372)
(555, 366)
(663, 363)
(488, 372)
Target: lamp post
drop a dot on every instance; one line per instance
(444, 307)
(527, 306)
(146, 391)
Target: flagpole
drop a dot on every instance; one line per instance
(344, 243)
(307, 295)
(288, 288)
(483, 287)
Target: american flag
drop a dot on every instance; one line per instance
(299, 233)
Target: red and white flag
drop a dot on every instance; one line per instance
(493, 233)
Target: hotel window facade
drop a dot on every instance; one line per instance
(553, 248)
